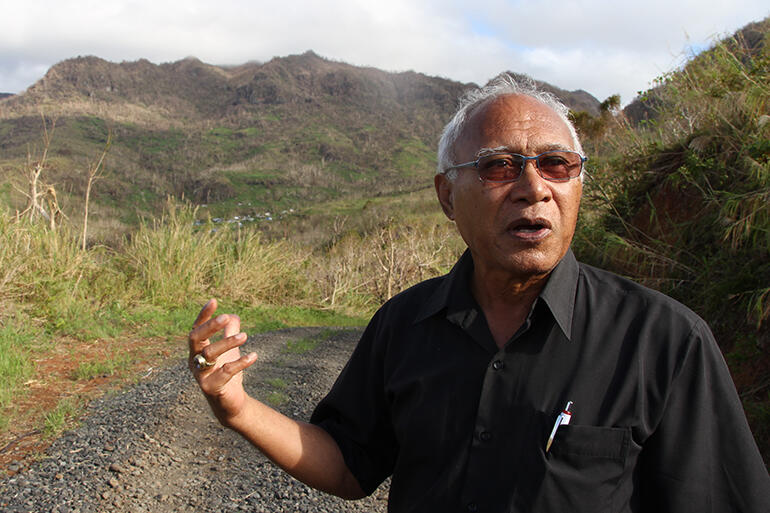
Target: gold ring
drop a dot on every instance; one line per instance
(201, 362)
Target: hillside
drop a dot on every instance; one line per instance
(683, 203)
(748, 41)
(280, 135)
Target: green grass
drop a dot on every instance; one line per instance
(92, 128)
(307, 344)
(101, 368)
(278, 383)
(301, 345)
(60, 417)
(277, 396)
(16, 342)
(414, 158)
(156, 321)
(276, 399)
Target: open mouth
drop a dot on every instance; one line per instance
(530, 228)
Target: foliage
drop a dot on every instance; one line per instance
(101, 368)
(15, 362)
(58, 418)
(682, 203)
(153, 283)
(690, 209)
(595, 128)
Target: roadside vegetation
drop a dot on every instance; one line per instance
(681, 202)
(150, 285)
(678, 199)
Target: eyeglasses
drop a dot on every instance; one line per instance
(555, 166)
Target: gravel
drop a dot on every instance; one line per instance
(156, 447)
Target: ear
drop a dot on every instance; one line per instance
(445, 195)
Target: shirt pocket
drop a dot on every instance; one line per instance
(583, 468)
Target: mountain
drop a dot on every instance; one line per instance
(282, 134)
(191, 89)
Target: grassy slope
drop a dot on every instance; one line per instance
(683, 204)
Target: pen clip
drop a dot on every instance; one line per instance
(563, 418)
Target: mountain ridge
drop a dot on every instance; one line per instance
(210, 90)
(289, 132)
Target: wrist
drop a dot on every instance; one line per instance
(243, 418)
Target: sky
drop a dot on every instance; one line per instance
(601, 46)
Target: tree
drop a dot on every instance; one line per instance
(94, 172)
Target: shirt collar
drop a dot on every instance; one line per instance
(559, 292)
(453, 292)
(454, 285)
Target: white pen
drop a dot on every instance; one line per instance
(563, 418)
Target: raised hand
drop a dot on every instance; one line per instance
(220, 370)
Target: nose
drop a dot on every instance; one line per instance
(530, 187)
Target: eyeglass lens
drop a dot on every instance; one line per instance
(552, 165)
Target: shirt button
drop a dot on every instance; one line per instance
(485, 436)
(472, 507)
(498, 364)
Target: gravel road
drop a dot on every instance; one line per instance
(155, 447)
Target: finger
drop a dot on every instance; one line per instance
(199, 336)
(213, 383)
(225, 373)
(203, 316)
(233, 325)
(213, 351)
(206, 312)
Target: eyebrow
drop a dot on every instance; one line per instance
(483, 152)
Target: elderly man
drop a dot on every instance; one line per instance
(522, 381)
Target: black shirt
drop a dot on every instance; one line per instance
(461, 425)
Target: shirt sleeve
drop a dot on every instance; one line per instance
(702, 456)
(356, 414)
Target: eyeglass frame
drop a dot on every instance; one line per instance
(475, 163)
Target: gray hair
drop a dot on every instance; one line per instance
(502, 85)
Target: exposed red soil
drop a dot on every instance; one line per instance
(54, 380)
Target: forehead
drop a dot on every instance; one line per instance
(515, 122)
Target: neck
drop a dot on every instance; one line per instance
(505, 300)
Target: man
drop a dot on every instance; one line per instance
(521, 381)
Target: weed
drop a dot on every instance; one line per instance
(276, 399)
(15, 362)
(57, 419)
(101, 368)
(301, 345)
(277, 383)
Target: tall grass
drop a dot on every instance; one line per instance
(170, 261)
(153, 282)
(361, 271)
(15, 363)
(45, 276)
(684, 202)
(688, 193)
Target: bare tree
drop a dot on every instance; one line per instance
(34, 169)
(95, 170)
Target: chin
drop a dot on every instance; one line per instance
(528, 265)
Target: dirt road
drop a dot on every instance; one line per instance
(155, 447)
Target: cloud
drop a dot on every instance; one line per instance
(600, 46)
